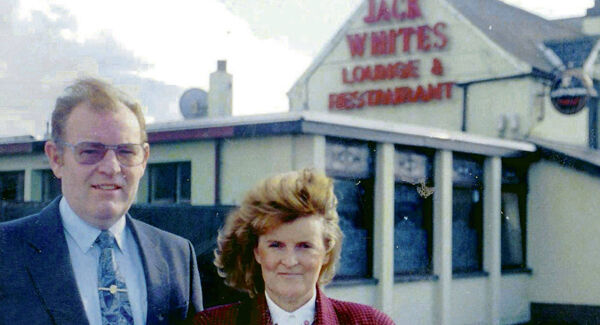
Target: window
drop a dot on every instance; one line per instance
(170, 183)
(413, 208)
(51, 187)
(467, 214)
(513, 207)
(350, 164)
(12, 186)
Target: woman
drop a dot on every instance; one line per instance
(280, 247)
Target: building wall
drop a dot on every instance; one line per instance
(468, 56)
(510, 101)
(563, 235)
(514, 302)
(414, 303)
(469, 301)
(553, 125)
(201, 154)
(246, 161)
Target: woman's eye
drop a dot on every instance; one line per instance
(304, 245)
(275, 244)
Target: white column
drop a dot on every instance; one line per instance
(383, 237)
(492, 191)
(27, 184)
(442, 234)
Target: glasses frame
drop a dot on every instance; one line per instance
(106, 147)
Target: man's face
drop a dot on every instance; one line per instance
(99, 193)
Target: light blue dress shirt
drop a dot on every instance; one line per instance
(84, 258)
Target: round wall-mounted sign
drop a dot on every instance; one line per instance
(569, 93)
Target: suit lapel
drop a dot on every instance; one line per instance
(156, 271)
(49, 266)
(255, 311)
(324, 312)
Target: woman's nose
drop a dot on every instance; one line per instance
(289, 258)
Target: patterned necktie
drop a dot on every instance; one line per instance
(114, 303)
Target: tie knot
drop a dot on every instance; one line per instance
(105, 239)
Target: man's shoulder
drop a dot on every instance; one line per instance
(22, 223)
(40, 218)
(157, 233)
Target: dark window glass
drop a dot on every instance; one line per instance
(170, 183)
(51, 187)
(413, 202)
(12, 186)
(514, 196)
(350, 164)
(184, 180)
(467, 214)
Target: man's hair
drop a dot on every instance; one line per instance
(277, 200)
(100, 96)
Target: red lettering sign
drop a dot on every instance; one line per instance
(390, 96)
(379, 72)
(357, 44)
(380, 10)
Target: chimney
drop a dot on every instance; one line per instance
(591, 21)
(220, 91)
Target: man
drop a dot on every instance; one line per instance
(83, 259)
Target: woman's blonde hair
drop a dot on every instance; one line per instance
(279, 199)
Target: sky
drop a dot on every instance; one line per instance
(155, 50)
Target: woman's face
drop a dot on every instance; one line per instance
(291, 257)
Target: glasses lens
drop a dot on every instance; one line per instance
(130, 154)
(89, 153)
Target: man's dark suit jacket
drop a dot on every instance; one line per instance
(327, 312)
(38, 286)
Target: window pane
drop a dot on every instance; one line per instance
(184, 182)
(512, 245)
(12, 186)
(467, 212)
(51, 187)
(163, 179)
(350, 163)
(351, 209)
(412, 232)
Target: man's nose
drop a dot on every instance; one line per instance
(109, 163)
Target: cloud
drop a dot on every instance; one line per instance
(40, 57)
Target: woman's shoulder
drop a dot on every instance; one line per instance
(355, 313)
(224, 314)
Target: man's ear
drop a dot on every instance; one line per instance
(146, 153)
(55, 157)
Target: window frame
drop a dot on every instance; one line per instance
(177, 199)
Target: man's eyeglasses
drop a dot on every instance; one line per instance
(89, 153)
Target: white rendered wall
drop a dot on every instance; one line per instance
(469, 301)
(414, 303)
(514, 299)
(563, 235)
(246, 161)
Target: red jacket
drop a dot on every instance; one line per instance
(328, 312)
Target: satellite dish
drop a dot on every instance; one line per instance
(194, 103)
